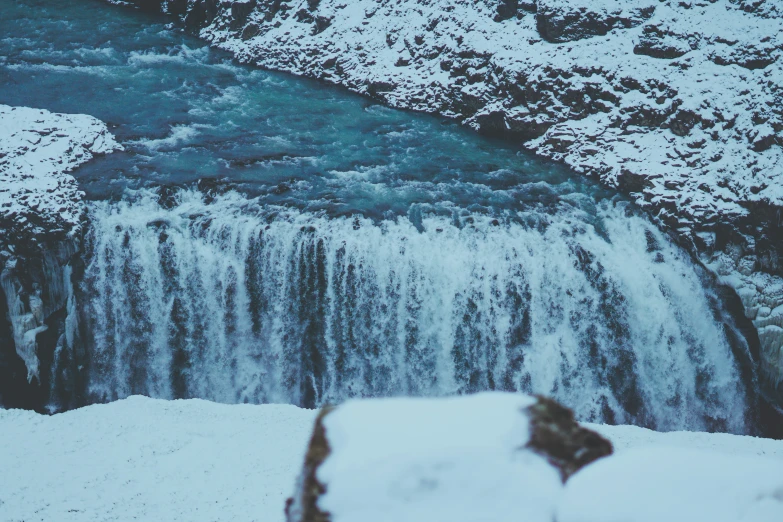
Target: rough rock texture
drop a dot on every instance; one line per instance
(304, 504)
(555, 434)
(456, 438)
(41, 211)
(558, 21)
(678, 104)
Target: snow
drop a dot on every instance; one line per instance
(37, 150)
(151, 460)
(193, 460)
(627, 437)
(657, 484)
(456, 459)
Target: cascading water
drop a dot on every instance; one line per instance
(234, 301)
(475, 266)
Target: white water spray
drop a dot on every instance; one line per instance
(234, 302)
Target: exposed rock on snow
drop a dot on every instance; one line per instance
(556, 436)
(679, 104)
(491, 456)
(560, 21)
(41, 210)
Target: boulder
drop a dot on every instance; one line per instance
(661, 41)
(493, 456)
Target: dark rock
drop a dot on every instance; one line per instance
(748, 56)
(167, 196)
(506, 9)
(35, 279)
(201, 14)
(683, 122)
(762, 8)
(660, 42)
(321, 24)
(528, 6)
(177, 7)
(211, 188)
(762, 142)
(374, 89)
(555, 435)
(155, 6)
(304, 16)
(303, 506)
(250, 31)
(566, 20)
(240, 11)
(492, 124)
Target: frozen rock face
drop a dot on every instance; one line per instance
(490, 456)
(41, 210)
(678, 104)
(560, 21)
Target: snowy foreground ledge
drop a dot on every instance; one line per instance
(145, 459)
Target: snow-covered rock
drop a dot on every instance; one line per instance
(192, 461)
(37, 150)
(677, 103)
(490, 456)
(41, 210)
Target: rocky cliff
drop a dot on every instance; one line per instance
(41, 213)
(679, 104)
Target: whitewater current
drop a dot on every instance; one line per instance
(234, 301)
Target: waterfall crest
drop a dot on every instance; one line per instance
(232, 301)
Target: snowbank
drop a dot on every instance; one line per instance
(668, 484)
(455, 459)
(151, 460)
(193, 460)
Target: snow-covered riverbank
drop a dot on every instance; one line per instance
(145, 459)
(41, 213)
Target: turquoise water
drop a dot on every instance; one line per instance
(186, 112)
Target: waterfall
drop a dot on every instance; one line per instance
(233, 301)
